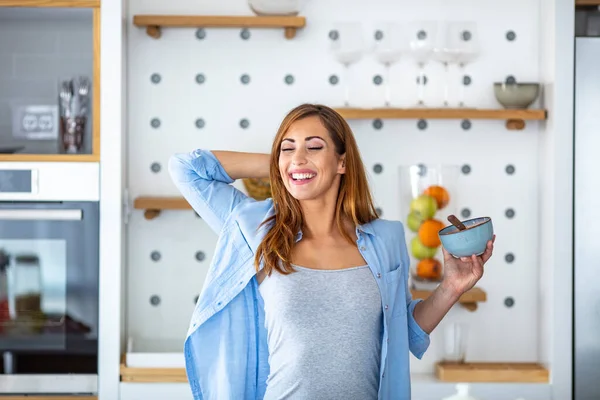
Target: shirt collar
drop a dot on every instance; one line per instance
(366, 228)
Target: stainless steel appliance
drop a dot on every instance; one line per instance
(586, 352)
(49, 295)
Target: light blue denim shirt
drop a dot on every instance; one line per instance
(226, 345)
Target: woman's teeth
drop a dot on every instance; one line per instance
(298, 177)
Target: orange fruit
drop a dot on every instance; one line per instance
(429, 268)
(428, 232)
(441, 195)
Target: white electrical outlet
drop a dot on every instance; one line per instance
(35, 122)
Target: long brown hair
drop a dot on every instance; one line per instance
(354, 198)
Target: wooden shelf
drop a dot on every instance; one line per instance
(154, 205)
(587, 3)
(444, 372)
(515, 119)
(154, 375)
(468, 300)
(154, 23)
(51, 3)
(50, 158)
(492, 372)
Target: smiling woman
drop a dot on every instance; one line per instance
(311, 272)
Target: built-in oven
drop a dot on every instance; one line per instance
(49, 294)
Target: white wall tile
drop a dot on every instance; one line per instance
(52, 66)
(24, 40)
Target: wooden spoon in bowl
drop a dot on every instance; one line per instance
(456, 222)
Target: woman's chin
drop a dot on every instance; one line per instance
(302, 195)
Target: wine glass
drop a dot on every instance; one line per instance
(464, 39)
(388, 48)
(446, 53)
(348, 47)
(421, 37)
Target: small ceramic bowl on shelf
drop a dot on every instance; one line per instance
(473, 240)
(516, 95)
(286, 8)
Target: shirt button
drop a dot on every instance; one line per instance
(378, 275)
(383, 376)
(386, 306)
(363, 248)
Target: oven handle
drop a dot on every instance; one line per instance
(34, 214)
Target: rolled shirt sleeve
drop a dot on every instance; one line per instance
(204, 183)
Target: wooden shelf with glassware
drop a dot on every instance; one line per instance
(515, 118)
(468, 300)
(94, 156)
(154, 23)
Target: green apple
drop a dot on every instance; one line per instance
(414, 221)
(424, 205)
(420, 251)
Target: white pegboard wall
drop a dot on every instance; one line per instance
(163, 86)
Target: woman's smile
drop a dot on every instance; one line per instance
(301, 176)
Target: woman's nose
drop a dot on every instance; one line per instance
(299, 157)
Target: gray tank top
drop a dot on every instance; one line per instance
(324, 331)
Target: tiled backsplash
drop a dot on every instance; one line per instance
(37, 49)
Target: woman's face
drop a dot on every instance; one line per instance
(308, 163)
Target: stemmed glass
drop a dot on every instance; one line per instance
(348, 47)
(445, 52)
(464, 39)
(421, 39)
(388, 48)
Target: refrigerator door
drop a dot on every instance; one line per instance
(587, 220)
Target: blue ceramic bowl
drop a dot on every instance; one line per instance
(470, 241)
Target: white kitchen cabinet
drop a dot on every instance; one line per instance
(155, 391)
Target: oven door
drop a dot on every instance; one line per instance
(49, 338)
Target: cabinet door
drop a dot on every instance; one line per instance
(155, 391)
(50, 75)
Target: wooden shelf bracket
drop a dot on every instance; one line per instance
(153, 31)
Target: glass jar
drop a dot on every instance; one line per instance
(4, 305)
(27, 285)
(427, 196)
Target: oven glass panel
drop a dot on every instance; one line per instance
(48, 286)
